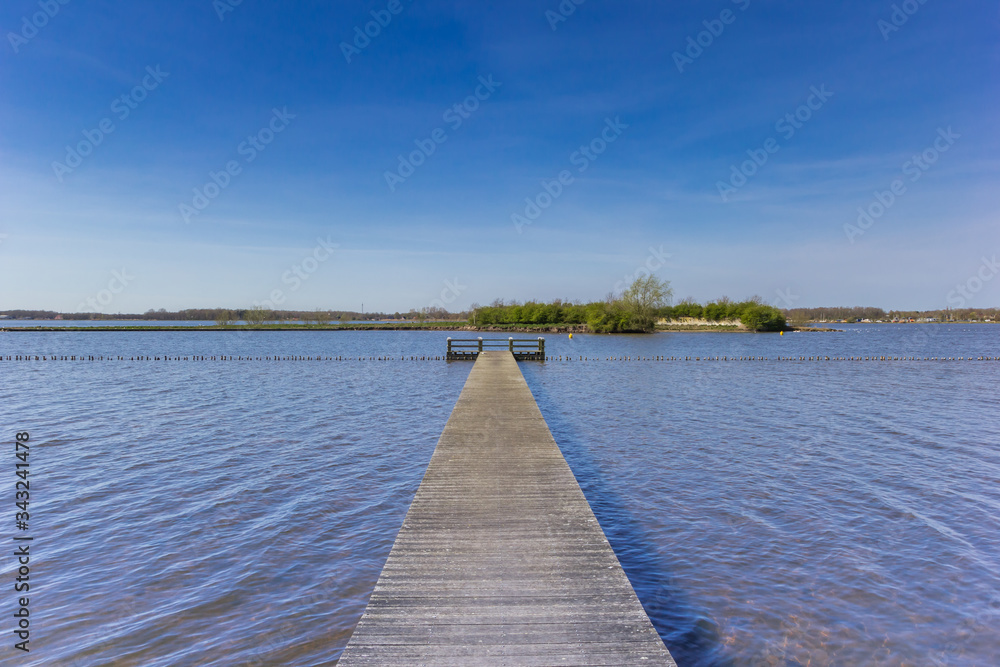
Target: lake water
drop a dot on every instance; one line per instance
(767, 513)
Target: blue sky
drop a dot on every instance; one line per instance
(445, 232)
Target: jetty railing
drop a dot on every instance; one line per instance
(523, 349)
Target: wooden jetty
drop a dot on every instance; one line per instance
(500, 560)
(523, 349)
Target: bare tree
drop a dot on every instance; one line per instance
(643, 298)
(224, 317)
(256, 316)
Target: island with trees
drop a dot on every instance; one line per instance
(642, 308)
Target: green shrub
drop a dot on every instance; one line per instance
(758, 317)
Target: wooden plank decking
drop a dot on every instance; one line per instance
(500, 560)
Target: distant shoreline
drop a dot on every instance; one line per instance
(436, 326)
(215, 327)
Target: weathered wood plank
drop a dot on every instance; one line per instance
(500, 560)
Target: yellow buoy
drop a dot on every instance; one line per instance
(781, 333)
(571, 336)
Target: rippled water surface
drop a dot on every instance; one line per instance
(771, 513)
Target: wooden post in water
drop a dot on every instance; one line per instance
(500, 560)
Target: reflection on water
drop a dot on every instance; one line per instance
(238, 513)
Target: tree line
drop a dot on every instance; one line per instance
(230, 315)
(857, 314)
(636, 310)
(753, 313)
